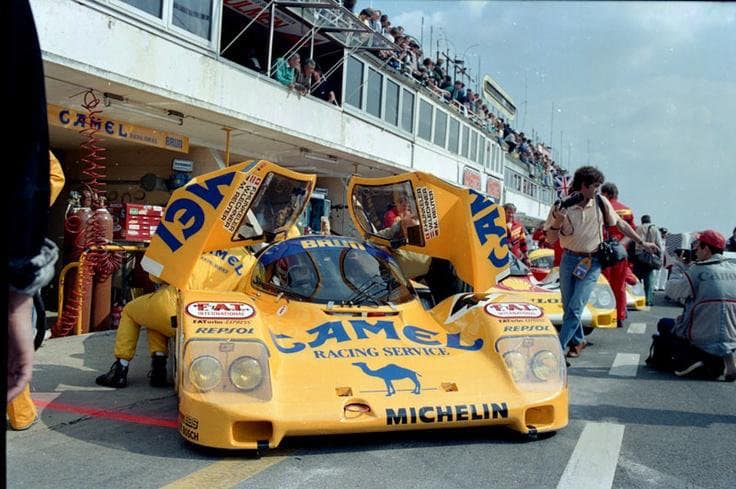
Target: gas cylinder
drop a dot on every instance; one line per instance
(75, 225)
(102, 222)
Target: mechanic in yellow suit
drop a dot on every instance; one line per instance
(21, 410)
(221, 270)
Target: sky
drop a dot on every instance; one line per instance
(644, 91)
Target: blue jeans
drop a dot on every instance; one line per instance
(575, 294)
(649, 287)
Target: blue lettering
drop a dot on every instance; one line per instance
(296, 347)
(386, 326)
(210, 192)
(95, 123)
(110, 128)
(121, 132)
(222, 254)
(81, 120)
(486, 226)
(328, 331)
(64, 117)
(163, 232)
(419, 335)
(192, 213)
(232, 260)
(481, 202)
(500, 262)
(453, 341)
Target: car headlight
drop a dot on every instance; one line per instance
(246, 373)
(545, 365)
(516, 363)
(535, 363)
(205, 372)
(601, 297)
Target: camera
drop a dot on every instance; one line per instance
(574, 199)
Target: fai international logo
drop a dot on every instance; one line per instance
(221, 310)
(508, 310)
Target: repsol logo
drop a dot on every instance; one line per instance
(224, 331)
(187, 214)
(486, 226)
(336, 332)
(446, 414)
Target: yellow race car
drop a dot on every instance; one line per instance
(600, 311)
(329, 335)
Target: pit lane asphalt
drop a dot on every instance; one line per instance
(677, 433)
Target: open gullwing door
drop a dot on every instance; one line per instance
(425, 214)
(244, 204)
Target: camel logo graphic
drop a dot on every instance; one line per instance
(392, 372)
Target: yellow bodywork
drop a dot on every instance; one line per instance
(547, 296)
(256, 366)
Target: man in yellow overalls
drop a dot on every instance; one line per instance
(221, 270)
(21, 410)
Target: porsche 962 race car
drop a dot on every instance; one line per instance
(329, 336)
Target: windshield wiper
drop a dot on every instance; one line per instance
(363, 292)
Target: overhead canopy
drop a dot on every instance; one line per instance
(336, 22)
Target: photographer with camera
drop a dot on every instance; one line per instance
(578, 223)
(703, 338)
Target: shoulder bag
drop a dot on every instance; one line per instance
(611, 251)
(653, 261)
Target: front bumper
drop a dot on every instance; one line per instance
(222, 422)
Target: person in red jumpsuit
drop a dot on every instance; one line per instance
(516, 233)
(616, 274)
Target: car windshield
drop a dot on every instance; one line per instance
(329, 269)
(546, 261)
(517, 267)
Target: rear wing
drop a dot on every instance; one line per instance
(244, 204)
(439, 219)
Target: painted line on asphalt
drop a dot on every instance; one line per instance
(637, 328)
(625, 365)
(106, 413)
(593, 463)
(229, 472)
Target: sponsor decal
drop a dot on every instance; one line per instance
(471, 178)
(186, 216)
(220, 310)
(490, 225)
(513, 310)
(330, 243)
(525, 328)
(391, 372)
(282, 310)
(188, 427)
(428, 212)
(71, 119)
(239, 203)
(493, 188)
(240, 330)
(446, 414)
(355, 331)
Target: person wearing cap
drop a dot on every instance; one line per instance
(708, 321)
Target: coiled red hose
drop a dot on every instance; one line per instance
(97, 264)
